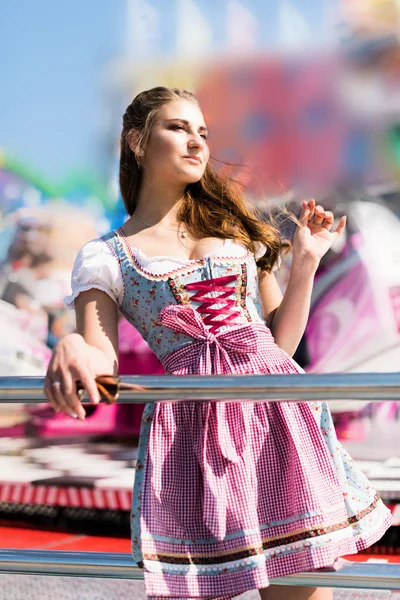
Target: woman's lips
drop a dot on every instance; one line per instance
(193, 159)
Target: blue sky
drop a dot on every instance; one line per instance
(54, 107)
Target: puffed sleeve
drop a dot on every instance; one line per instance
(260, 250)
(96, 267)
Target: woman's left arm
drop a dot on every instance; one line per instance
(287, 316)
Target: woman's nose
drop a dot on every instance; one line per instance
(196, 141)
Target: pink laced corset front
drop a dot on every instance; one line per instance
(211, 349)
(228, 305)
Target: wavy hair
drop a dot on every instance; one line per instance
(214, 206)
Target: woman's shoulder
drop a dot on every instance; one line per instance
(93, 251)
(98, 254)
(102, 246)
(95, 267)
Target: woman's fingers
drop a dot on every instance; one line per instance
(71, 397)
(52, 383)
(341, 225)
(307, 211)
(70, 362)
(60, 390)
(89, 383)
(58, 393)
(305, 214)
(328, 220)
(49, 396)
(319, 215)
(311, 204)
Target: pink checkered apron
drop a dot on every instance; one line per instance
(235, 494)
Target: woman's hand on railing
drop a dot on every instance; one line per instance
(71, 361)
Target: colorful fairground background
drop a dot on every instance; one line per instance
(301, 97)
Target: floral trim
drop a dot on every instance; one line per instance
(178, 291)
(256, 562)
(242, 291)
(267, 544)
(363, 513)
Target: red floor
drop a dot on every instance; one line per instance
(34, 539)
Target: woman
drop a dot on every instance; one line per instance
(226, 495)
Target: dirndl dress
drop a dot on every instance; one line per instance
(226, 495)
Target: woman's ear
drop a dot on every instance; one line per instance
(133, 141)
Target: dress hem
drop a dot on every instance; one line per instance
(209, 587)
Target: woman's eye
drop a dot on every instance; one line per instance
(182, 128)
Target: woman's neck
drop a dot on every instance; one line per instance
(155, 204)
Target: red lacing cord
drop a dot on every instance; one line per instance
(215, 285)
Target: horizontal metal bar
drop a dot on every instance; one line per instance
(288, 388)
(74, 564)
(384, 576)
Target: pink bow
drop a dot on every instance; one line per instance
(224, 428)
(211, 352)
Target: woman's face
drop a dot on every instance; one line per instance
(177, 151)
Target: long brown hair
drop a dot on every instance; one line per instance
(214, 206)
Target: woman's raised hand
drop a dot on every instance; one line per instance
(313, 236)
(70, 362)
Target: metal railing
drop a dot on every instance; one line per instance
(274, 388)
(121, 566)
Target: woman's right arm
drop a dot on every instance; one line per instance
(92, 351)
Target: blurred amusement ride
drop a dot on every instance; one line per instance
(303, 127)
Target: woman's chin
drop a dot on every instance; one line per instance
(191, 173)
(188, 180)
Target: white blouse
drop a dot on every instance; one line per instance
(95, 267)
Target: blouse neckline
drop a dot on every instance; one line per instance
(183, 263)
